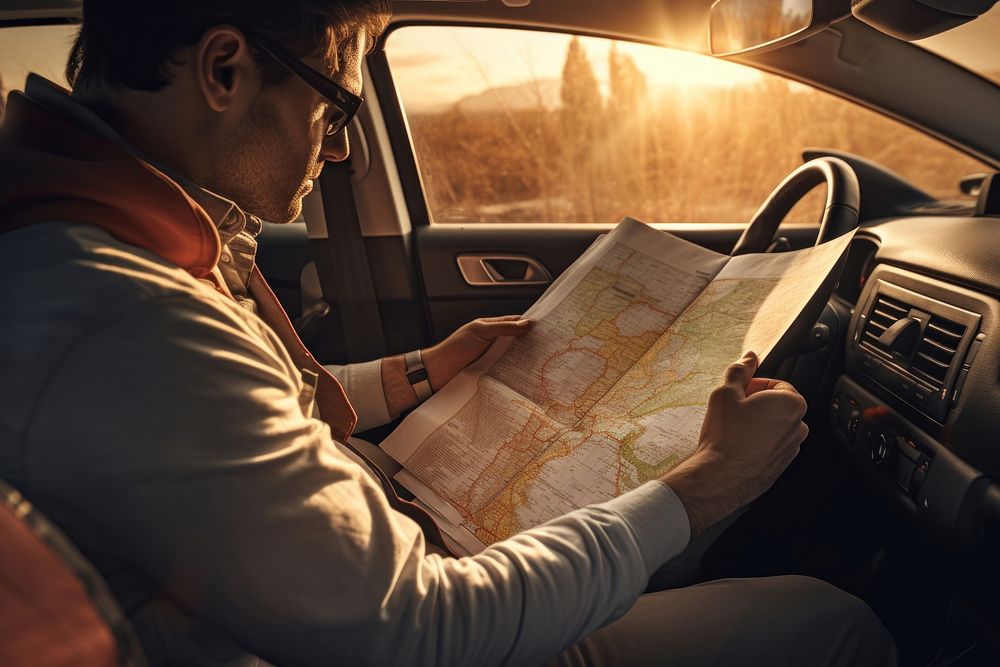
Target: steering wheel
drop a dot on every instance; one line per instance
(839, 217)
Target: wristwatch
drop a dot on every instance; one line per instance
(416, 375)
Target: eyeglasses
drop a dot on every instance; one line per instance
(345, 102)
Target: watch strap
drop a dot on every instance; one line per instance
(416, 375)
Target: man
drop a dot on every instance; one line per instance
(157, 406)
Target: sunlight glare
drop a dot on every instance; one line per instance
(436, 66)
(670, 67)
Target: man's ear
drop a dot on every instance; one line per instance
(223, 65)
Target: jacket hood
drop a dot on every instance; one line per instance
(53, 170)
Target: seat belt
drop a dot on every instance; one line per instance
(344, 272)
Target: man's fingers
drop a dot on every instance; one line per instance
(791, 444)
(738, 375)
(768, 384)
(506, 326)
(785, 401)
(759, 384)
(802, 432)
(501, 318)
(790, 454)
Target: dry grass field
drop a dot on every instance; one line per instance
(688, 154)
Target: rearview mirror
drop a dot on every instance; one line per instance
(742, 26)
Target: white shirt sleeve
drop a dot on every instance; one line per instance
(191, 455)
(363, 385)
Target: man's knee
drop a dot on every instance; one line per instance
(848, 627)
(789, 620)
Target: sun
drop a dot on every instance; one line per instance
(671, 67)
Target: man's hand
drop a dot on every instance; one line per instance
(452, 355)
(751, 433)
(447, 359)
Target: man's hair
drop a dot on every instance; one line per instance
(134, 43)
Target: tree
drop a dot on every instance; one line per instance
(627, 84)
(629, 187)
(582, 115)
(580, 93)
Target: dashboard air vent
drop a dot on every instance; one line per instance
(936, 350)
(917, 346)
(926, 350)
(887, 311)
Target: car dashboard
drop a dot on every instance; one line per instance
(917, 402)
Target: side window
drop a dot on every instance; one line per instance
(525, 126)
(40, 49)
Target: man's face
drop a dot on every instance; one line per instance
(271, 157)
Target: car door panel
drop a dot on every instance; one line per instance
(451, 301)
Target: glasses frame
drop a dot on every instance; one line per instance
(344, 100)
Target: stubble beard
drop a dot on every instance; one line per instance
(254, 169)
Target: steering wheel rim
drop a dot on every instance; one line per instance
(840, 216)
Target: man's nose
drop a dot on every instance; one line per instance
(337, 147)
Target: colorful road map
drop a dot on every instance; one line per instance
(610, 387)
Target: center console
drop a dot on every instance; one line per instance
(913, 344)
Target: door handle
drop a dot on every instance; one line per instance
(497, 270)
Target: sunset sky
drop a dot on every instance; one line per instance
(436, 66)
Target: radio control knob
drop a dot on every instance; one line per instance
(881, 448)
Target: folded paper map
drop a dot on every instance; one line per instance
(609, 388)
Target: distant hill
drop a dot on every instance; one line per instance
(517, 97)
(528, 94)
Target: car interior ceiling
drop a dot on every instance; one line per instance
(893, 496)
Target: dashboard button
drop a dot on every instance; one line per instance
(907, 449)
(853, 423)
(919, 474)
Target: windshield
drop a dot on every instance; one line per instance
(973, 45)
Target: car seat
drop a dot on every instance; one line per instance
(55, 607)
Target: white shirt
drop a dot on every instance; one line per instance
(159, 424)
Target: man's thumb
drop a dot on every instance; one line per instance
(739, 374)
